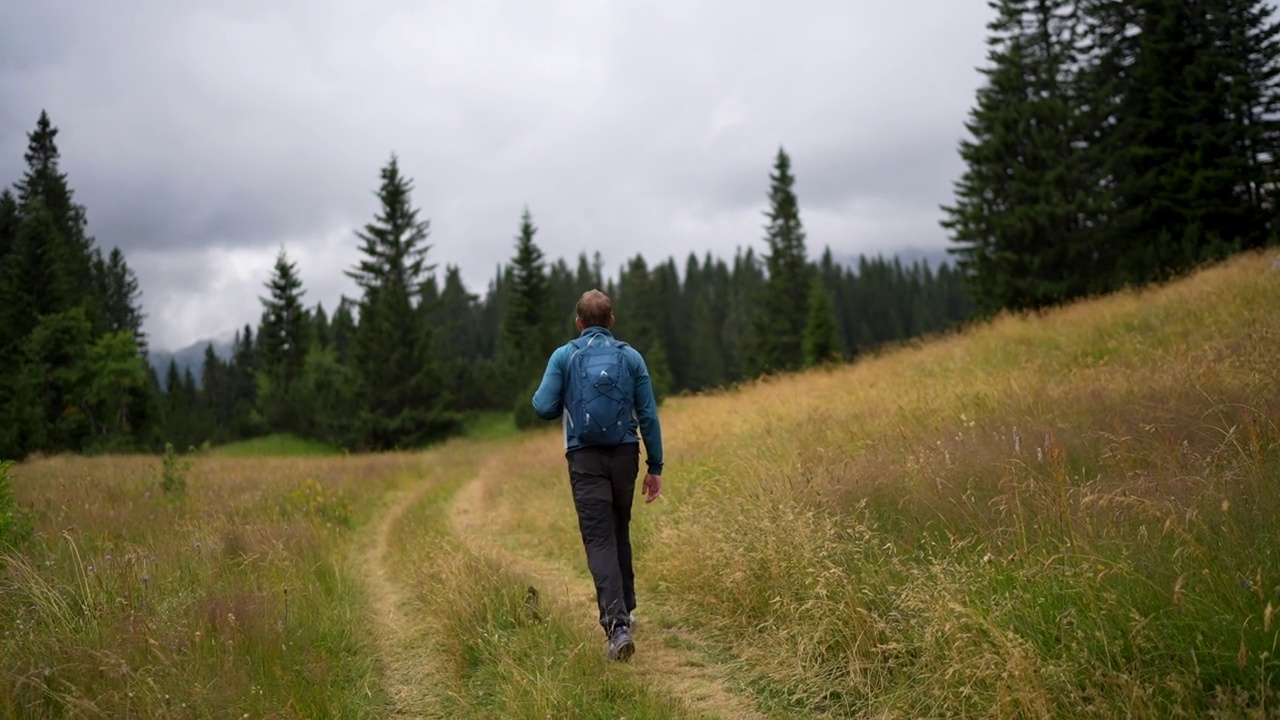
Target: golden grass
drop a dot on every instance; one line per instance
(1065, 515)
(232, 599)
(1070, 514)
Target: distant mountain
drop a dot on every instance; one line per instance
(191, 356)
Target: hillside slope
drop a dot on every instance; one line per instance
(1066, 515)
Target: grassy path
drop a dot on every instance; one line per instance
(663, 659)
(408, 673)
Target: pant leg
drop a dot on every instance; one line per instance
(593, 499)
(623, 468)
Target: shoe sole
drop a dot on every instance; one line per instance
(625, 652)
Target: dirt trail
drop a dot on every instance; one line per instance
(659, 657)
(409, 673)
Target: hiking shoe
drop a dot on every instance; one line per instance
(621, 646)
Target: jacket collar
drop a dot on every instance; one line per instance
(594, 329)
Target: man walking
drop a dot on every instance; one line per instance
(600, 387)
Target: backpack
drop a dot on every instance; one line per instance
(599, 391)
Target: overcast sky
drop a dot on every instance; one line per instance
(203, 137)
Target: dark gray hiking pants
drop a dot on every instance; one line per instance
(604, 484)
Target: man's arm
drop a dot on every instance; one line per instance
(647, 417)
(546, 400)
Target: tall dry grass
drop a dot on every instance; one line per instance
(1064, 515)
(233, 599)
(488, 648)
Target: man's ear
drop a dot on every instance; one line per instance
(578, 321)
(611, 319)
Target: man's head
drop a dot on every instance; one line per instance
(594, 308)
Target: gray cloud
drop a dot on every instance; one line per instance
(203, 139)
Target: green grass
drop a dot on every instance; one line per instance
(276, 445)
(232, 599)
(490, 426)
(492, 653)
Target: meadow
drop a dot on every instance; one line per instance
(1067, 514)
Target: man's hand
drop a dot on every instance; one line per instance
(652, 487)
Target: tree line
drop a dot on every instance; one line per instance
(406, 361)
(1116, 143)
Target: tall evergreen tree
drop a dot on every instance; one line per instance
(526, 337)
(120, 295)
(1190, 93)
(526, 319)
(403, 397)
(1026, 203)
(821, 337)
(44, 183)
(285, 337)
(781, 315)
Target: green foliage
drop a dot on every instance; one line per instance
(403, 399)
(780, 319)
(15, 522)
(173, 472)
(659, 368)
(522, 409)
(821, 339)
(425, 350)
(285, 337)
(526, 338)
(1116, 144)
(309, 498)
(275, 445)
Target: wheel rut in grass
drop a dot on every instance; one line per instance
(661, 658)
(409, 673)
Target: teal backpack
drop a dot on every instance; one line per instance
(599, 390)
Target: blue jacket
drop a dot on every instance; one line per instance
(548, 401)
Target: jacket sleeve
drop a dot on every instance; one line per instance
(547, 399)
(646, 406)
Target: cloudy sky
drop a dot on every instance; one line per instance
(203, 137)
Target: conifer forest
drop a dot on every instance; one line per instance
(1111, 144)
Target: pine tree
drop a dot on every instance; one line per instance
(821, 337)
(343, 330)
(525, 322)
(1025, 204)
(1191, 92)
(321, 333)
(117, 286)
(404, 400)
(781, 315)
(285, 337)
(44, 184)
(40, 279)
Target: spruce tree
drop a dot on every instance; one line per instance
(821, 337)
(285, 338)
(404, 400)
(526, 337)
(43, 183)
(525, 321)
(781, 315)
(1026, 203)
(117, 287)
